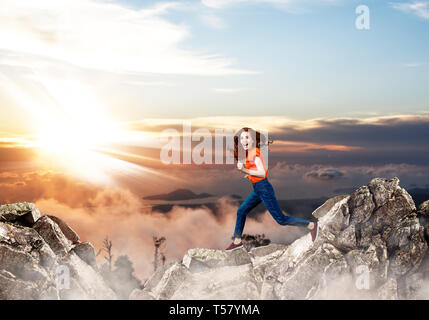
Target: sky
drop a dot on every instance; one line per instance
(87, 88)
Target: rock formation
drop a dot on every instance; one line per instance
(372, 245)
(43, 258)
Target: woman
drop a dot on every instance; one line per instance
(256, 171)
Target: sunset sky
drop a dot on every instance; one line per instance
(86, 88)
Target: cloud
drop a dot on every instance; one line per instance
(288, 5)
(325, 174)
(418, 8)
(214, 21)
(227, 90)
(413, 65)
(102, 35)
(131, 230)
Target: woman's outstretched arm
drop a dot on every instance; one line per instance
(259, 172)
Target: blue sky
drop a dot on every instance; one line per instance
(185, 59)
(310, 63)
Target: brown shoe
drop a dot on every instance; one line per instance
(315, 231)
(234, 246)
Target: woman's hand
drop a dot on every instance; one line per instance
(240, 165)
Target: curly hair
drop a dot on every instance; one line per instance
(257, 137)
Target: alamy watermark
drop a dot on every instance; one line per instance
(62, 277)
(362, 280)
(204, 146)
(362, 21)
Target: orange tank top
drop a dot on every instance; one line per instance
(250, 164)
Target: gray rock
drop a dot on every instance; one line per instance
(383, 190)
(66, 229)
(86, 252)
(374, 259)
(424, 209)
(24, 212)
(412, 287)
(346, 239)
(407, 246)
(236, 282)
(393, 210)
(360, 205)
(32, 254)
(12, 288)
(157, 276)
(327, 206)
(171, 280)
(266, 250)
(388, 290)
(86, 283)
(423, 214)
(297, 282)
(198, 259)
(377, 229)
(53, 235)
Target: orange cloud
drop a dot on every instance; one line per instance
(295, 146)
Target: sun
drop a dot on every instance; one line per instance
(63, 136)
(74, 133)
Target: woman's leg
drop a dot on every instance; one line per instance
(267, 195)
(251, 201)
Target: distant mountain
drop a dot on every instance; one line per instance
(301, 208)
(179, 194)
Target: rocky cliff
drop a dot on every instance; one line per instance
(372, 244)
(43, 258)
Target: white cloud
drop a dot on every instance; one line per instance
(228, 90)
(105, 36)
(289, 5)
(419, 8)
(214, 21)
(413, 65)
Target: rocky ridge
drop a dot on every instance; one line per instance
(41, 257)
(372, 245)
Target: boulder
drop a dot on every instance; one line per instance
(388, 290)
(86, 252)
(23, 212)
(85, 284)
(53, 235)
(38, 262)
(199, 259)
(327, 206)
(360, 205)
(372, 245)
(406, 245)
(171, 280)
(219, 283)
(66, 229)
(383, 190)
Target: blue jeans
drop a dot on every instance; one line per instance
(263, 191)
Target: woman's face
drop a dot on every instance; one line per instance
(246, 140)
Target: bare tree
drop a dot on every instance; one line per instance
(107, 247)
(163, 258)
(157, 243)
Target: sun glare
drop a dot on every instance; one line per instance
(72, 128)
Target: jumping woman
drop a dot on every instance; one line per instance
(256, 171)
